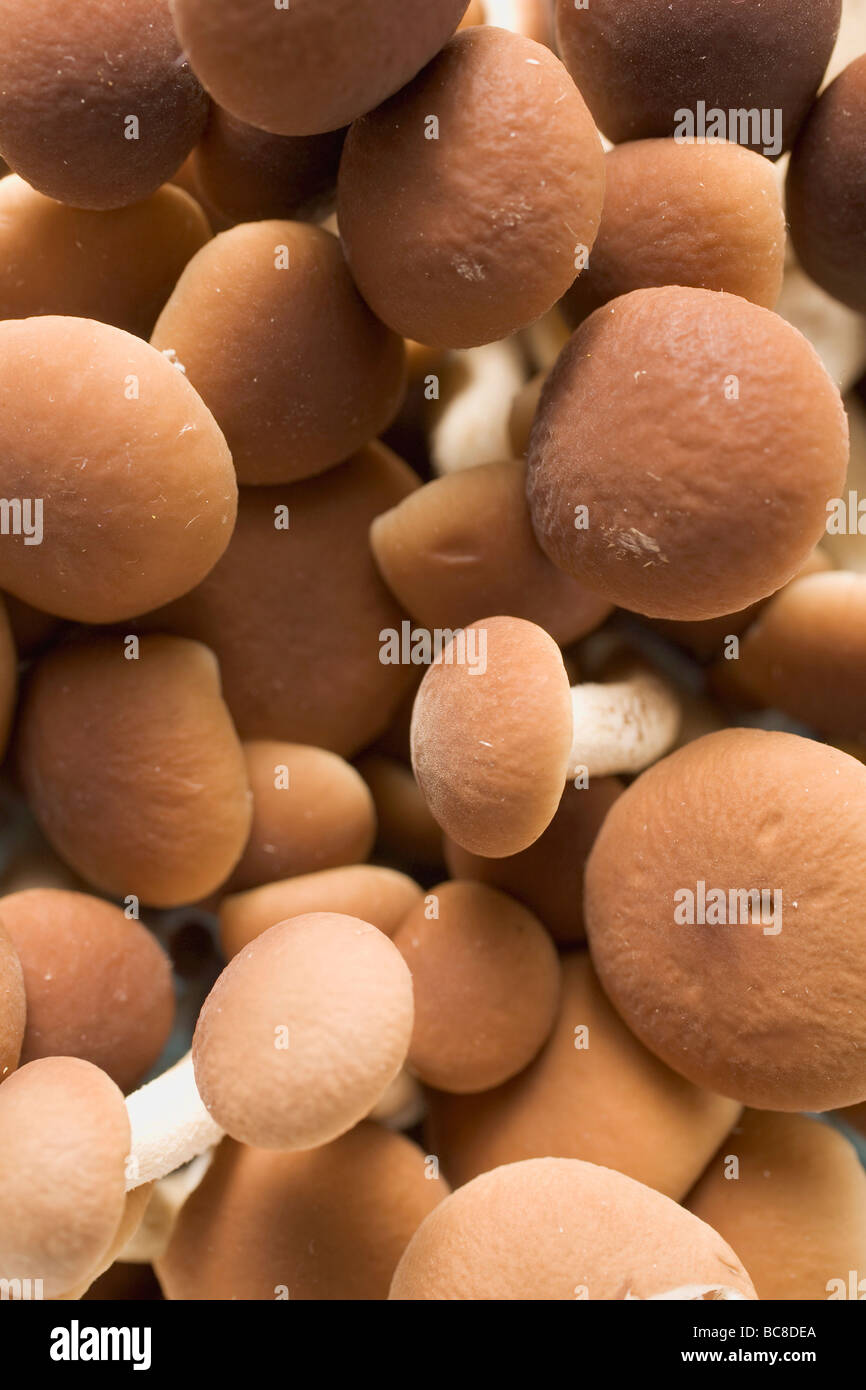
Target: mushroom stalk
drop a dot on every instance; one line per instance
(623, 725)
(169, 1125)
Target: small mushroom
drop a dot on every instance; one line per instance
(406, 831)
(13, 1005)
(467, 423)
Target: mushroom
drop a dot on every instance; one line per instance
(523, 407)
(8, 676)
(496, 731)
(558, 1229)
(488, 159)
(467, 421)
(13, 1005)
(722, 903)
(473, 952)
(406, 831)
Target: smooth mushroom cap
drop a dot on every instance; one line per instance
(133, 770)
(434, 225)
(8, 676)
(702, 437)
(303, 1031)
(491, 737)
(796, 1210)
(485, 976)
(311, 811)
(463, 545)
(330, 1224)
(64, 1138)
(13, 1005)
(745, 812)
(98, 984)
(594, 1093)
(559, 1229)
(134, 478)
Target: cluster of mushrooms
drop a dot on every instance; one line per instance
(433, 617)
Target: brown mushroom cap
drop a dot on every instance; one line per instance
(276, 339)
(315, 65)
(13, 1005)
(592, 1093)
(328, 1224)
(136, 482)
(769, 1012)
(485, 976)
(98, 984)
(548, 876)
(704, 437)
(64, 1139)
(31, 629)
(707, 215)
(294, 613)
(490, 743)
(639, 63)
(118, 267)
(826, 178)
(303, 1031)
(311, 811)
(558, 1229)
(68, 92)
(133, 769)
(796, 1210)
(373, 893)
(8, 676)
(406, 831)
(434, 227)
(463, 545)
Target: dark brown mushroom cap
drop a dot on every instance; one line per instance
(741, 811)
(640, 62)
(703, 436)
(69, 90)
(434, 227)
(313, 65)
(328, 1224)
(13, 1005)
(826, 189)
(64, 1140)
(491, 735)
(98, 984)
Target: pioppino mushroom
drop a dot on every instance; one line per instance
(8, 676)
(13, 1005)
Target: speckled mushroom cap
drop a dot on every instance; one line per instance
(13, 1005)
(594, 1093)
(796, 1209)
(434, 227)
(118, 267)
(463, 546)
(806, 653)
(133, 769)
(98, 984)
(276, 339)
(740, 811)
(704, 437)
(826, 177)
(136, 482)
(707, 215)
(311, 811)
(303, 1032)
(559, 1229)
(331, 1223)
(548, 876)
(370, 891)
(8, 676)
(314, 65)
(641, 62)
(64, 1139)
(491, 735)
(98, 110)
(471, 963)
(295, 608)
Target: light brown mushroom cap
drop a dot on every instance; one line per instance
(303, 1032)
(133, 769)
(594, 1093)
(795, 1210)
(490, 746)
(328, 1224)
(311, 811)
(741, 811)
(559, 1229)
(485, 976)
(98, 984)
(13, 1005)
(8, 676)
(406, 831)
(463, 546)
(64, 1137)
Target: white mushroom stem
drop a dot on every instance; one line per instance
(622, 725)
(169, 1124)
